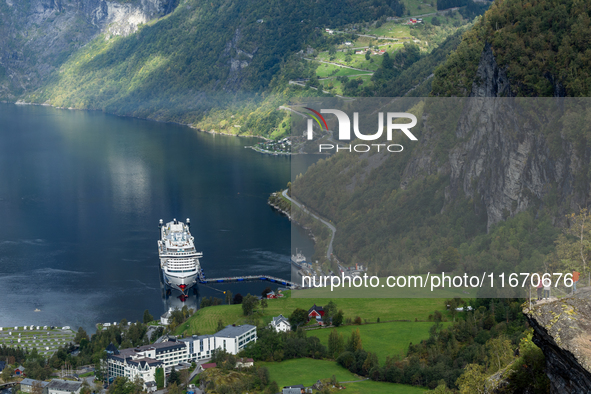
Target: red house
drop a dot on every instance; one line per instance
(316, 312)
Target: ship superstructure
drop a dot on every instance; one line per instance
(179, 260)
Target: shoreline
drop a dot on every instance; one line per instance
(213, 132)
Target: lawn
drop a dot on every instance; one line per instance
(384, 339)
(205, 320)
(307, 371)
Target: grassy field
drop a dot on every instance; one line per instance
(328, 70)
(419, 7)
(307, 371)
(372, 387)
(357, 61)
(205, 320)
(384, 339)
(391, 29)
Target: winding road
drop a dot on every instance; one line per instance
(329, 225)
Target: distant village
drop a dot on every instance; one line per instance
(277, 147)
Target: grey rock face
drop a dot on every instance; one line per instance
(40, 36)
(501, 157)
(562, 329)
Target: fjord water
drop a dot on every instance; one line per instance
(81, 194)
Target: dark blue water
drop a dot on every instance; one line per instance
(81, 194)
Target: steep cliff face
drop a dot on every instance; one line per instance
(38, 35)
(507, 167)
(562, 329)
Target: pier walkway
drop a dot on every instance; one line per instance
(247, 278)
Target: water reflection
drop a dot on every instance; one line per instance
(174, 299)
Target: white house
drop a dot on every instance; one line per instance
(244, 363)
(165, 319)
(280, 323)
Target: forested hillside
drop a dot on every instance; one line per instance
(458, 200)
(203, 55)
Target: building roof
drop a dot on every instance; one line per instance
(143, 361)
(279, 319)
(159, 347)
(29, 382)
(2, 365)
(234, 331)
(111, 349)
(297, 386)
(315, 308)
(64, 385)
(208, 365)
(245, 360)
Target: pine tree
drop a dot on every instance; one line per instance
(335, 344)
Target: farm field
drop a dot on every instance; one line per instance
(384, 339)
(330, 70)
(205, 320)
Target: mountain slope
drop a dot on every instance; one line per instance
(465, 199)
(39, 35)
(203, 55)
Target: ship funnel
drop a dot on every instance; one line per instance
(161, 223)
(175, 221)
(188, 222)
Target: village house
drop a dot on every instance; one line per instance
(244, 363)
(58, 386)
(165, 318)
(280, 323)
(27, 384)
(203, 367)
(316, 312)
(296, 389)
(20, 371)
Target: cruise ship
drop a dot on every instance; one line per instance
(179, 260)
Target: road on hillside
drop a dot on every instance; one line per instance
(329, 225)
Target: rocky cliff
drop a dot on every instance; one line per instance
(38, 35)
(506, 166)
(562, 329)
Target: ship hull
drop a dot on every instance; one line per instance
(182, 284)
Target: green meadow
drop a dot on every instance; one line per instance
(205, 320)
(384, 339)
(307, 371)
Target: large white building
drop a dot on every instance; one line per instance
(232, 339)
(143, 361)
